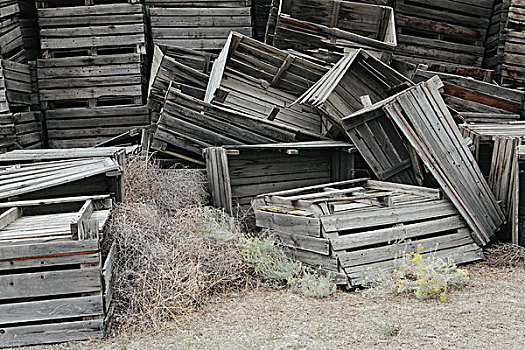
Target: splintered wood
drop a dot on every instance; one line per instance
(355, 228)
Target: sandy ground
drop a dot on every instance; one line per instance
(488, 314)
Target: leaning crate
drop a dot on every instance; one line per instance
(55, 278)
(357, 228)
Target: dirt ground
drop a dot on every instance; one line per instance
(488, 314)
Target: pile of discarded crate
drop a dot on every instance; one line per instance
(341, 90)
(355, 131)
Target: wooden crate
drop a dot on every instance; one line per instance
(198, 3)
(263, 81)
(187, 126)
(429, 135)
(338, 93)
(11, 42)
(512, 47)
(448, 31)
(56, 282)
(51, 179)
(87, 127)
(29, 28)
(356, 228)
(15, 80)
(198, 60)
(483, 136)
(28, 129)
(311, 25)
(198, 28)
(477, 99)
(506, 179)
(91, 81)
(237, 174)
(166, 70)
(92, 30)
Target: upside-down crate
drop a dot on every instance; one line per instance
(187, 126)
(310, 25)
(355, 81)
(204, 27)
(477, 100)
(11, 43)
(90, 30)
(56, 282)
(237, 174)
(448, 31)
(263, 81)
(420, 119)
(356, 228)
(483, 136)
(165, 70)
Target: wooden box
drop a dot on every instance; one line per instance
(198, 28)
(355, 228)
(263, 81)
(237, 174)
(477, 100)
(336, 26)
(92, 30)
(398, 135)
(449, 31)
(187, 126)
(355, 81)
(56, 282)
(11, 42)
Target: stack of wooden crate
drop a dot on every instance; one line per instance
(506, 44)
(200, 25)
(29, 28)
(21, 122)
(11, 43)
(442, 31)
(93, 75)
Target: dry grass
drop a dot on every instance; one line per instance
(505, 255)
(174, 254)
(488, 313)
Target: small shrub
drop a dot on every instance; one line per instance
(272, 264)
(269, 262)
(388, 330)
(425, 278)
(312, 284)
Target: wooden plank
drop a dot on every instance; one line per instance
(46, 310)
(48, 283)
(51, 333)
(303, 242)
(9, 216)
(288, 223)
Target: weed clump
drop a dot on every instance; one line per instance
(270, 263)
(175, 254)
(423, 277)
